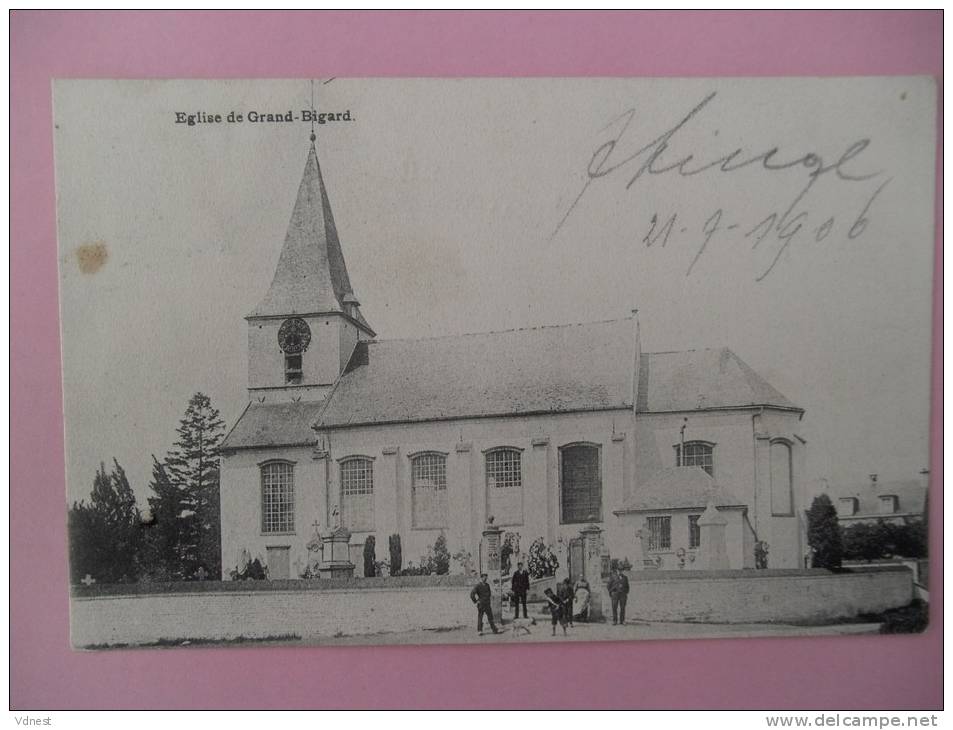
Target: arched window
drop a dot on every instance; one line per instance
(782, 483)
(580, 483)
(504, 485)
(277, 497)
(428, 473)
(697, 453)
(357, 493)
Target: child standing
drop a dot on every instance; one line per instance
(556, 609)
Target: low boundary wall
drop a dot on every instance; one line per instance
(262, 609)
(766, 596)
(149, 613)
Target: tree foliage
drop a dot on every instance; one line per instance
(166, 547)
(882, 539)
(824, 534)
(396, 557)
(105, 535)
(186, 522)
(370, 557)
(542, 560)
(440, 556)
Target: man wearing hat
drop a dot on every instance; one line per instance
(520, 587)
(480, 595)
(618, 594)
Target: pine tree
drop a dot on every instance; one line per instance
(193, 466)
(105, 535)
(824, 534)
(165, 543)
(370, 557)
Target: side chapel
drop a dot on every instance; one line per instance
(547, 429)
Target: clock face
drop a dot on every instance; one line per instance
(294, 336)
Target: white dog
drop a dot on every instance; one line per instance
(521, 625)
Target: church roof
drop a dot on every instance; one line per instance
(679, 487)
(274, 424)
(553, 369)
(700, 379)
(578, 367)
(311, 276)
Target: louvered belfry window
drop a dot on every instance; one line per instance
(580, 483)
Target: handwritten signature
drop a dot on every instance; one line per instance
(657, 158)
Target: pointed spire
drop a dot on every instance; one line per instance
(311, 276)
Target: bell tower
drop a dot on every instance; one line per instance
(302, 334)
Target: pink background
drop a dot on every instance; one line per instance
(848, 673)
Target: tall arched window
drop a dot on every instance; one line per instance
(504, 485)
(428, 472)
(697, 453)
(357, 493)
(580, 483)
(277, 497)
(782, 479)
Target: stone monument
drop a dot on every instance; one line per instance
(713, 549)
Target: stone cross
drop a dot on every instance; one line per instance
(88, 580)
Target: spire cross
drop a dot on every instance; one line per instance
(312, 110)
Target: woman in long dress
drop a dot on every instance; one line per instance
(581, 599)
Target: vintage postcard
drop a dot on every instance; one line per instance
(368, 361)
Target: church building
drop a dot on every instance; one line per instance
(544, 429)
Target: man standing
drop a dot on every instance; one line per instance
(618, 594)
(480, 595)
(520, 587)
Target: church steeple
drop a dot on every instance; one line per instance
(311, 276)
(303, 333)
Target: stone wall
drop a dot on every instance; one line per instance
(765, 596)
(308, 613)
(103, 615)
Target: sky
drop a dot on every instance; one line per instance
(451, 201)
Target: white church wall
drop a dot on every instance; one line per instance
(731, 433)
(465, 442)
(538, 439)
(782, 532)
(742, 465)
(241, 506)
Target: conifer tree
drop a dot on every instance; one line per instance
(824, 534)
(105, 535)
(193, 466)
(165, 549)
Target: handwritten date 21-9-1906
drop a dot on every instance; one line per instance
(776, 229)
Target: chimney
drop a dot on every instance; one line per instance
(925, 478)
(636, 360)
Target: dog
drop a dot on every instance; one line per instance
(522, 625)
